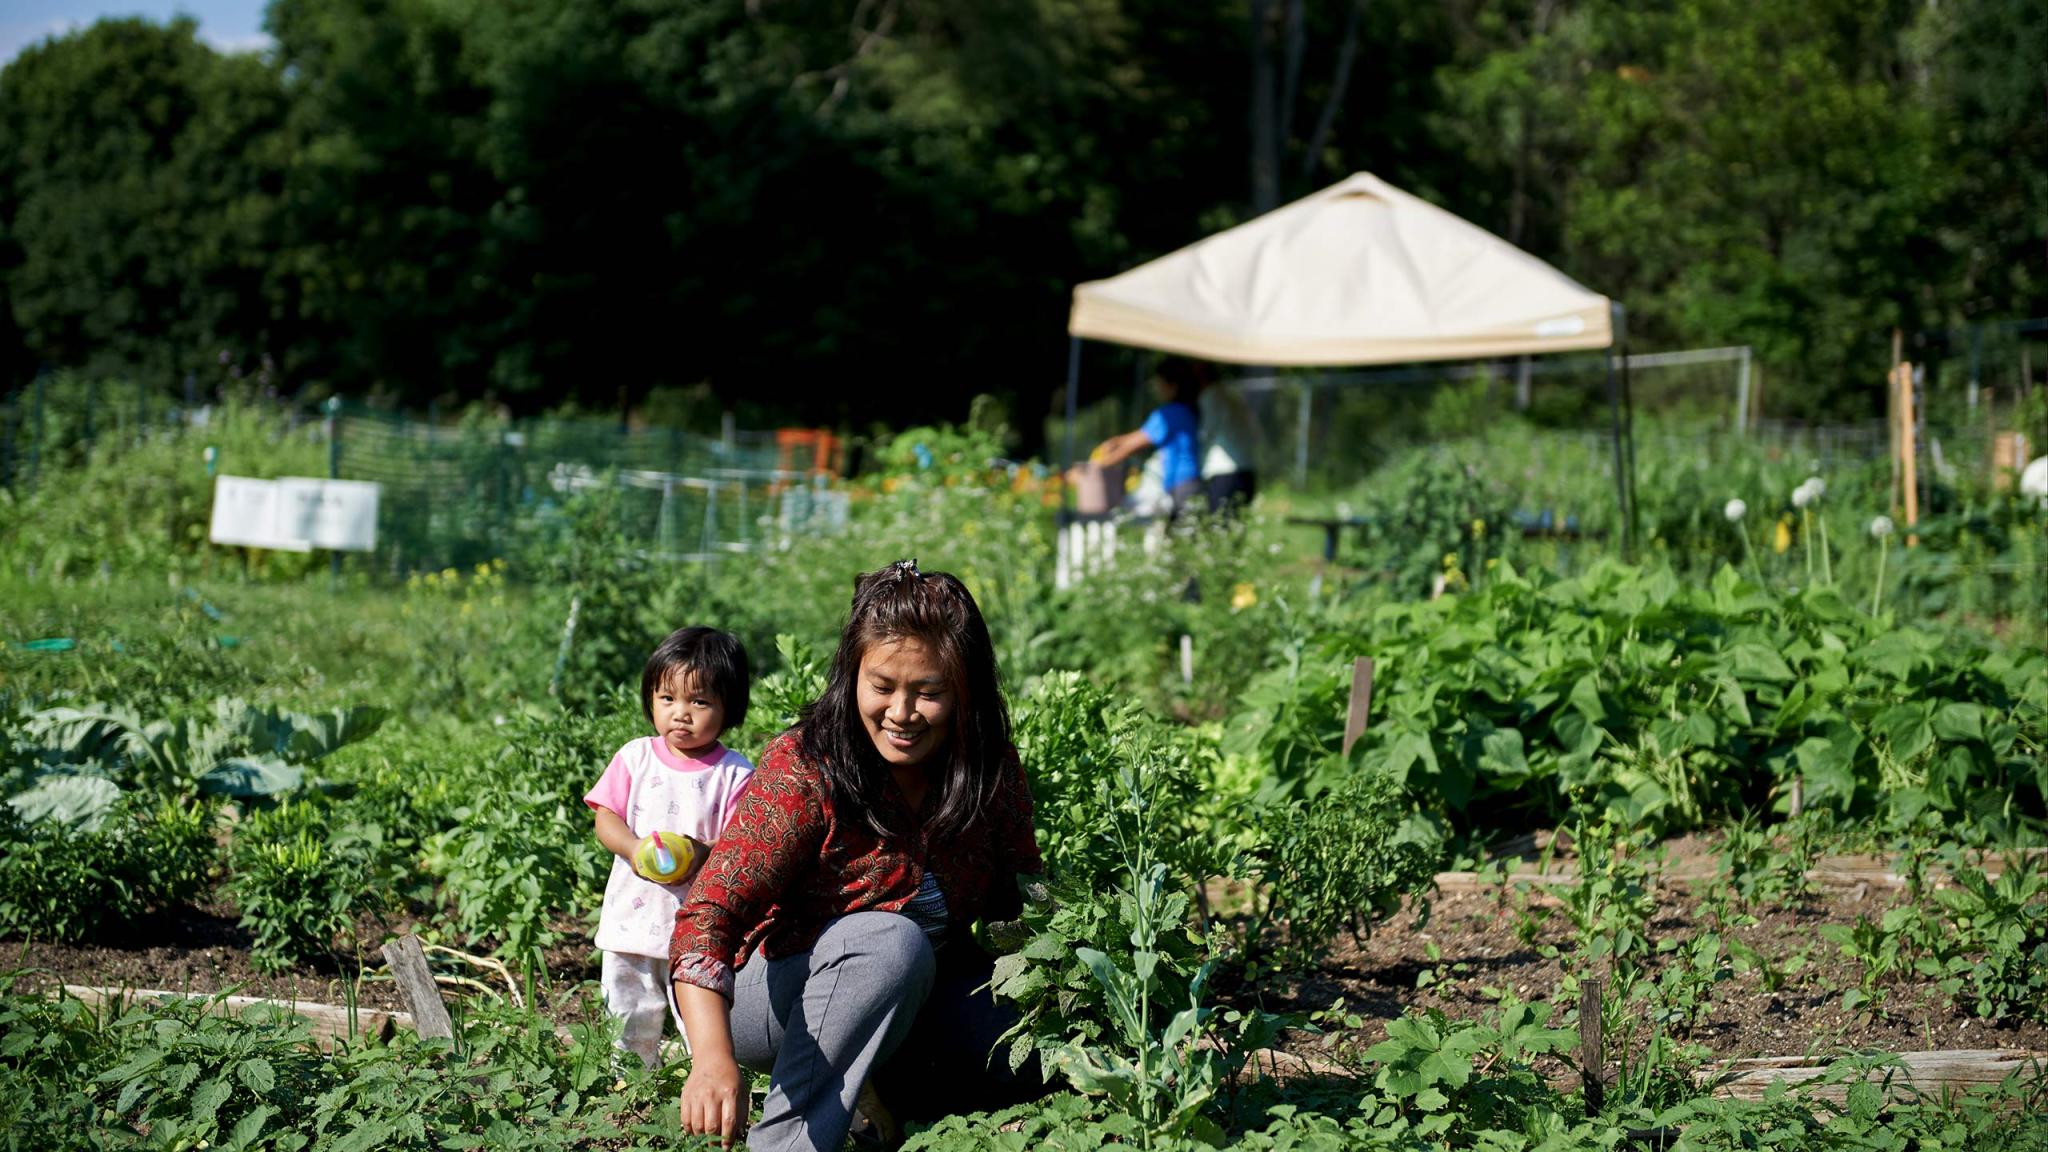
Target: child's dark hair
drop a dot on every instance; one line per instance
(717, 658)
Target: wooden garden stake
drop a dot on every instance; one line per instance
(1361, 701)
(408, 964)
(1592, 1059)
(1908, 450)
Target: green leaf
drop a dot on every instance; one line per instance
(252, 776)
(249, 1128)
(256, 1074)
(1906, 729)
(79, 801)
(1959, 722)
(1828, 767)
(1753, 662)
(208, 1099)
(1585, 697)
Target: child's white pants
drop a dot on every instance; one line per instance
(636, 994)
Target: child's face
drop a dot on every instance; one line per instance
(687, 716)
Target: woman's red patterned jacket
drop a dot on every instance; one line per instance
(787, 864)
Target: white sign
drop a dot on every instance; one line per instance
(295, 513)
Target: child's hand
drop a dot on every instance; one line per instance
(656, 848)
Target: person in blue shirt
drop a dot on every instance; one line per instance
(1170, 429)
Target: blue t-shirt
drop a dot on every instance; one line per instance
(1171, 428)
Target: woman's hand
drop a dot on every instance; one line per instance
(714, 1101)
(715, 1096)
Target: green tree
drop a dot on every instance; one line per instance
(1986, 63)
(386, 202)
(138, 180)
(1734, 173)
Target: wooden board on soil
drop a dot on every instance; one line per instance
(329, 1022)
(1922, 1073)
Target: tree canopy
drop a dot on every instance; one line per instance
(874, 209)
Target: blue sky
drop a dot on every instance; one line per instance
(235, 25)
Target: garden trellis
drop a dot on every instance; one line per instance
(1359, 273)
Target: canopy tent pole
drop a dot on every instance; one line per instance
(1620, 458)
(1628, 416)
(1073, 401)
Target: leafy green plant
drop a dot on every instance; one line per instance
(1450, 1077)
(778, 698)
(82, 757)
(1996, 938)
(1341, 860)
(186, 1073)
(1098, 987)
(299, 882)
(65, 881)
(1672, 704)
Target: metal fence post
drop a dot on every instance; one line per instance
(333, 407)
(1301, 432)
(1742, 394)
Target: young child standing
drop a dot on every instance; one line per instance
(682, 783)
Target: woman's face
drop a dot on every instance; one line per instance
(905, 701)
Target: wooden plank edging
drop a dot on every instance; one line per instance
(330, 1022)
(1827, 871)
(1924, 1073)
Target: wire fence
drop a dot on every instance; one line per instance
(454, 495)
(460, 492)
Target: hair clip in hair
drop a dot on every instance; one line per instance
(903, 568)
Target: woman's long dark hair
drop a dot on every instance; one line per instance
(935, 609)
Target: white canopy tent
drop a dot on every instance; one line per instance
(1358, 273)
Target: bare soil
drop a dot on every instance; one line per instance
(1510, 939)
(202, 950)
(1516, 941)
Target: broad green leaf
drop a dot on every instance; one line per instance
(1756, 662)
(1905, 728)
(1585, 697)
(1828, 767)
(1959, 721)
(208, 1099)
(253, 776)
(256, 1075)
(249, 1128)
(81, 802)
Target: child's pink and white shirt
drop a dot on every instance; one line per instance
(654, 789)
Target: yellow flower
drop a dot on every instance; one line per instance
(1479, 529)
(1782, 539)
(1243, 596)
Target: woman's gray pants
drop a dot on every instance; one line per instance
(819, 1022)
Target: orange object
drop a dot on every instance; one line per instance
(819, 444)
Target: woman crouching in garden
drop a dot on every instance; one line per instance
(827, 940)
